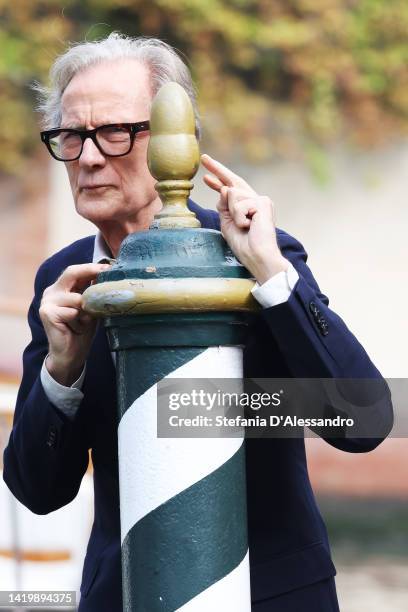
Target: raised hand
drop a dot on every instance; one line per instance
(69, 330)
(247, 221)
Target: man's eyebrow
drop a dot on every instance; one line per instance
(70, 125)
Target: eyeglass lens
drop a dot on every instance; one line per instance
(112, 140)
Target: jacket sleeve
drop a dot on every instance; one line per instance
(316, 343)
(47, 454)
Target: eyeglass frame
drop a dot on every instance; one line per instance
(133, 129)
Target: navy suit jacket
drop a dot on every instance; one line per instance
(47, 454)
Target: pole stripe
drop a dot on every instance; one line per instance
(182, 500)
(153, 470)
(224, 594)
(156, 363)
(203, 522)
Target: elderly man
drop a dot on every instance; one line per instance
(97, 118)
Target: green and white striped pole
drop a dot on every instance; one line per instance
(175, 306)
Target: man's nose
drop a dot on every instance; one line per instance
(91, 155)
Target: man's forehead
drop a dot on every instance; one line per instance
(102, 91)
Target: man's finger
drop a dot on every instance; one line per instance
(224, 174)
(60, 315)
(82, 325)
(63, 298)
(212, 182)
(222, 205)
(77, 322)
(242, 211)
(86, 319)
(79, 275)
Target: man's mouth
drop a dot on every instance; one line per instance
(88, 188)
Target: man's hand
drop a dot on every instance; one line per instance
(247, 221)
(69, 330)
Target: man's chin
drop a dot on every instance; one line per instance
(96, 208)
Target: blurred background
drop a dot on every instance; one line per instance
(308, 100)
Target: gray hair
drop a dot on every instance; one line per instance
(162, 60)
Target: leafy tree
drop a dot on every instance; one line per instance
(281, 77)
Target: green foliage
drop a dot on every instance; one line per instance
(272, 75)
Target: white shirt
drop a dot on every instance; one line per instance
(274, 291)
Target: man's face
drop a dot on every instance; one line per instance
(108, 189)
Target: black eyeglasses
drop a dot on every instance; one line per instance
(113, 140)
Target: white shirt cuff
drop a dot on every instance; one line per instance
(66, 399)
(277, 289)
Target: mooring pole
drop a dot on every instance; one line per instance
(175, 305)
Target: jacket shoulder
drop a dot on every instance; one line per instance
(80, 251)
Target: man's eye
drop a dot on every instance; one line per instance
(66, 137)
(66, 141)
(114, 133)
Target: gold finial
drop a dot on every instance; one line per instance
(173, 155)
